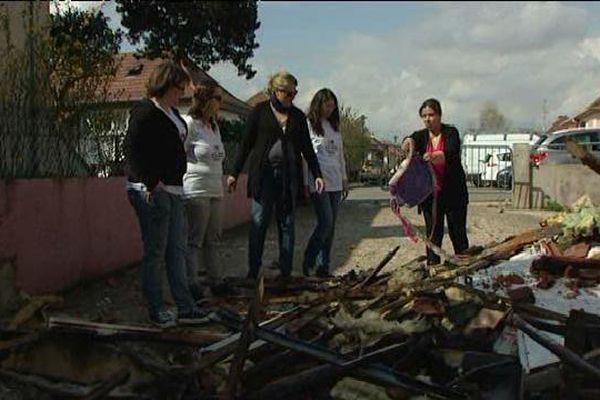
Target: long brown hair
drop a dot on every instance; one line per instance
(314, 112)
(201, 98)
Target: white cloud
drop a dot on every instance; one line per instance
(516, 54)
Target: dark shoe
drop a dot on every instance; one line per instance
(163, 319)
(323, 273)
(195, 317)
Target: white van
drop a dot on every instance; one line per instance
(485, 155)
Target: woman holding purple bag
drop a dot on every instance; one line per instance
(439, 144)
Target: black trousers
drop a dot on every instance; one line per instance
(457, 226)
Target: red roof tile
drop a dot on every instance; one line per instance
(130, 83)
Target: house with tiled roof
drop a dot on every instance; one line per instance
(563, 122)
(129, 86)
(590, 117)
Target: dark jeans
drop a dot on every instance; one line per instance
(272, 195)
(162, 223)
(457, 227)
(318, 249)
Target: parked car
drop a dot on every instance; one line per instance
(504, 178)
(495, 162)
(551, 149)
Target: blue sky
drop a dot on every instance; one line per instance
(384, 58)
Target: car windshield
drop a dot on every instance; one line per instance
(540, 140)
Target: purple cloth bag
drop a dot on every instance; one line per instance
(412, 183)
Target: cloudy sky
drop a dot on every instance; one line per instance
(383, 59)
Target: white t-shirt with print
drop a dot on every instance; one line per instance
(205, 154)
(329, 149)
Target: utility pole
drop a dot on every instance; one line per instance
(544, 114)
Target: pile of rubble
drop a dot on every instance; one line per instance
(516, 319)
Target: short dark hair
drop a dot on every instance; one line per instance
(434, 104)
(166, 75)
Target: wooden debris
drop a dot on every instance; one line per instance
(558, 265)
(129, 332)
(29, 310)
(108, 385)
(247, 336)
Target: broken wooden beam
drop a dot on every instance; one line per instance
(373, 372)
(561, 352)
(130, 332)
(558, 264)
(247, 336)
(371, 278)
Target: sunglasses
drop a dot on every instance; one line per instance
(288, 93)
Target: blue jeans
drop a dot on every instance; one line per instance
(318, 249)
(271, 195)
(163, 227)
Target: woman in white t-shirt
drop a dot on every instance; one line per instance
(323, 123)
(203, 186)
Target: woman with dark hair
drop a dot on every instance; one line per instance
(323, 122)
(439, 144)
(276, 137)
(203, 186)
(155, 165)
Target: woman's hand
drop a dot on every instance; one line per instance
(345, 189)
(435, 156)
(408, 145)
(319, 185)
(231, 183)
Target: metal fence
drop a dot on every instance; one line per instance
(488, 165)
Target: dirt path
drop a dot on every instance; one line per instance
(367, 229)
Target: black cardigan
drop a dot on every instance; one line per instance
(153, 149)
(262, 131)
(454, 190)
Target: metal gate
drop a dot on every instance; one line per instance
(488, 165)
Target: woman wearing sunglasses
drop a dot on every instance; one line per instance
(203, 187)
(324, 121)
(276, 137)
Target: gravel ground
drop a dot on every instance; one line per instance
(365, 231)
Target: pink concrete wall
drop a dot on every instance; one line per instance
(61, 231)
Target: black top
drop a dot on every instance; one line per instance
(262, 131)
(454, 189)
(153, 149)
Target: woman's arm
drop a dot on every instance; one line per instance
(248, 141)
(452, 145)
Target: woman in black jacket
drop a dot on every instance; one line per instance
(439, 144)
(156, 162)
(275, 139)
